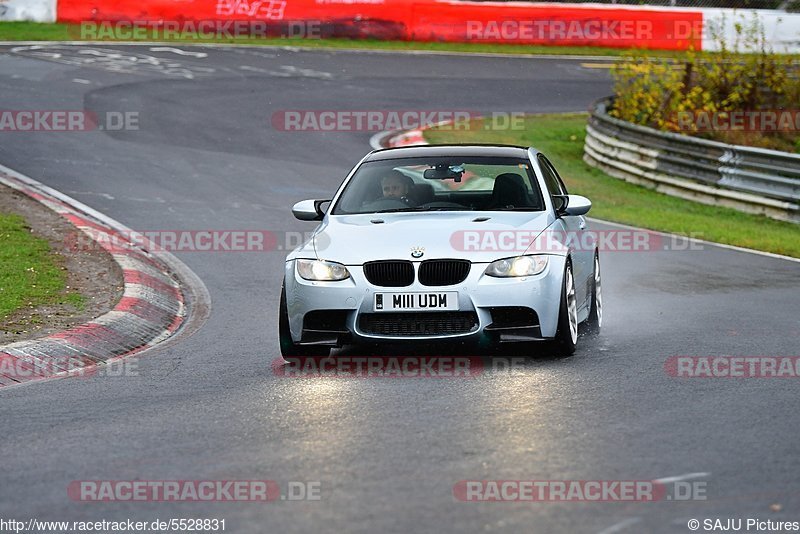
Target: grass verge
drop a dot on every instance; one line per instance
(30, 274)
(561, 136)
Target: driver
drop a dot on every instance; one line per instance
(396, 185)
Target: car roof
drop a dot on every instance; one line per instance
(506, 151)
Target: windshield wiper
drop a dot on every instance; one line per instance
(425, 208)
(409, 208)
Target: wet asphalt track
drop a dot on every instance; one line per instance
(387, 452)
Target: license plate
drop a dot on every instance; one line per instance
(434, 301)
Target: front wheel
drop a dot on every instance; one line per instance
(290, 349)
(567, 332)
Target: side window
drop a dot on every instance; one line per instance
(560, 181)
(554, 183)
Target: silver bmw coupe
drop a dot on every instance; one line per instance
(449, 243)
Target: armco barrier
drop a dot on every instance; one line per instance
(749, 179)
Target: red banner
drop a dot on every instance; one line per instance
(454, 21)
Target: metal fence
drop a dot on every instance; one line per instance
(750, 179)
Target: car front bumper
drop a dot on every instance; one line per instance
(342, 309)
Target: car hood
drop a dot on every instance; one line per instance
(355, 239)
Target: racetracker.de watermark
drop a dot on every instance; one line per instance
(198, 30)
(23, 369)
(378, 120)
(379, 367)
(547, 241)
(585, 30)
(193, 490)
(577, 490)
(733, 366)
(61, 120)
(93, 239)
(764, 121)
(559, 30)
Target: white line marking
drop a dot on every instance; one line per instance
(701, 241)
(310, 73)
(177, 51)
(619, 527)
(104, 195)
(66, 198)
(99, 53)
(19, 48)
(254, 69)
(687, 476)
(81, 80)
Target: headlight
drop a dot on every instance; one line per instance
(322, 271)
(519, 266)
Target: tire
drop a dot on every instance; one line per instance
(290, 349)
(595, 319)
(567, 333)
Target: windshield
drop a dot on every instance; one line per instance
(441, 184)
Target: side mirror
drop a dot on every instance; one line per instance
(309, 210)
(573, 205)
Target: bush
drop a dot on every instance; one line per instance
(680, 95)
